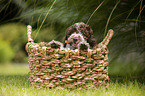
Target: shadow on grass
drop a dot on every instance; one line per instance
(14, 80)
(123, 79)
(22, 80)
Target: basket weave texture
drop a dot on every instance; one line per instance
(54, 67)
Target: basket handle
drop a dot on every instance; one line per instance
(29, 31)
(108, 37)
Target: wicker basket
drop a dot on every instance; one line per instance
(54, 67)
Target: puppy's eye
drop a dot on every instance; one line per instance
(81, 26)
(75, 40)
(74, 29)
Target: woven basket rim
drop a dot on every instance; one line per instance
(102, 44)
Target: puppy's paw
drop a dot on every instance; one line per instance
(83, 46)
(56, 44)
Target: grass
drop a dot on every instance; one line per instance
(14, 82)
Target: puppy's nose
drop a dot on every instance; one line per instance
(66, 41)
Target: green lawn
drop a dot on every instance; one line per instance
(14, 82)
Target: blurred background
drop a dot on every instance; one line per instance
(50, 18)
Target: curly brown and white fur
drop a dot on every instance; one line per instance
(79, 33)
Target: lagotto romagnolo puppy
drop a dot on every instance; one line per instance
(79, 33)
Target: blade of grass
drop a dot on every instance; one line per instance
(94, 12)
(39, 18)
(5, 6)
(44, 18)
(131, 11)
(136, 23)
(110, 17)
(133, 20)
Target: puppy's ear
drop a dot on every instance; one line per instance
(92, 41)
(88, 28)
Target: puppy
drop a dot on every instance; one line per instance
(79, 33)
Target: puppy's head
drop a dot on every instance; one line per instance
(74, 39)
(77, 33)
